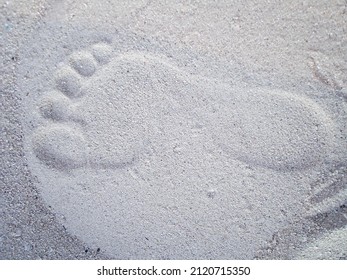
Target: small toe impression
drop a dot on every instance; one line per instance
(60, 147)
(54, 106)
(83, 63)
(102, 53)
(68, 82)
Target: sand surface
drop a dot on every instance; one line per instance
(173, 130)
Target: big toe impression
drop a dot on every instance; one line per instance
(60, 147)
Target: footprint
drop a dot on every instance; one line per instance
(144, 142)
(105, 107)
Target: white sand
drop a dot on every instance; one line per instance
(187, 131)
(330, 246)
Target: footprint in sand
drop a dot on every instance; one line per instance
(106, 106)
(196, 160)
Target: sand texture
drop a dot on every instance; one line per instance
(178, 130)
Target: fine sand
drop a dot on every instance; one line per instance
(200, 130)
